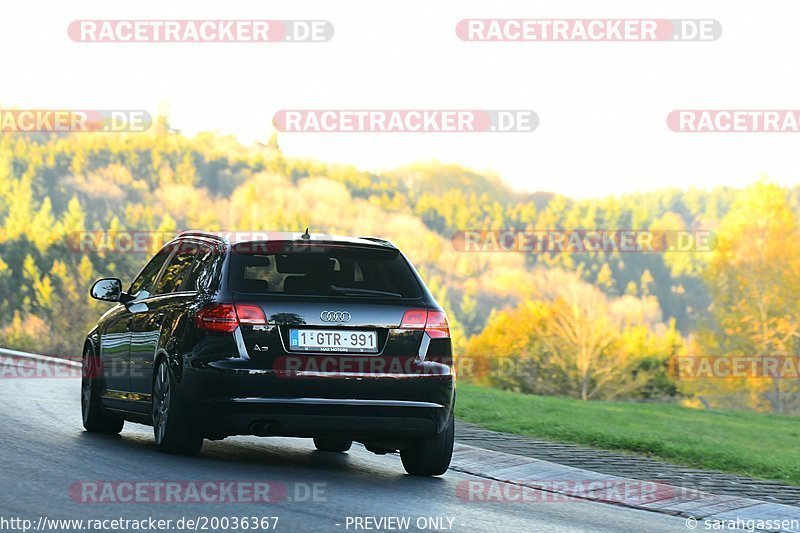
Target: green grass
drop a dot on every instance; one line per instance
(753, 444)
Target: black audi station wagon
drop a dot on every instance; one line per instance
(332, 338)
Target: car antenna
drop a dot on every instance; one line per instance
(305, 235)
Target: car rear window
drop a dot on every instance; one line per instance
(317, 270)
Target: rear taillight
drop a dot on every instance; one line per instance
(217, 317)
(227, 317)
(251, 314)
(433, 322)
(436, 326)
(414, 319)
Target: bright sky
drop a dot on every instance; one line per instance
(602, 106)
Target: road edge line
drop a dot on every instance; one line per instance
(42, 358)
(682, 502)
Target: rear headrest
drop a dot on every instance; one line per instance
(303, 263)
(295, 284)
(254, 260)
(254, 285)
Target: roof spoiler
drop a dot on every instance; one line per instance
(379, 241)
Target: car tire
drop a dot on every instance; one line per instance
(95, 417)
(332, 444)
(170, 430)
(430, 457)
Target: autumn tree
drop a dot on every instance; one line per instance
(572, 340)
(754, 279)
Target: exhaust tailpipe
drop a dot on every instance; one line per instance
(265, 428)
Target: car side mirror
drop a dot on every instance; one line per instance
(108, 290)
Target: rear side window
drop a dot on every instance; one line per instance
(203, 270)
(325, 271)
(145, 280)
(177, 270)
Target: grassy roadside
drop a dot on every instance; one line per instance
(753, 444)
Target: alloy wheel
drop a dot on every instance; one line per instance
(86, 385)
(161, 400)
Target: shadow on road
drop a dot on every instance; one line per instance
(254, 457)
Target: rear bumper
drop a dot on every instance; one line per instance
(358, 407)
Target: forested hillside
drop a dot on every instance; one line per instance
(646, 307)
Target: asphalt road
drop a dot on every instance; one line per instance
(49, 466)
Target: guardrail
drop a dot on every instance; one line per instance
(43, 358)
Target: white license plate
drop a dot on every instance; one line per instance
(320, 340)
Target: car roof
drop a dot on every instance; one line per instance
(237, 237)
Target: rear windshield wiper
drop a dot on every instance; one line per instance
(355, 291)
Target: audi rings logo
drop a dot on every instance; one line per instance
(334, 316)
